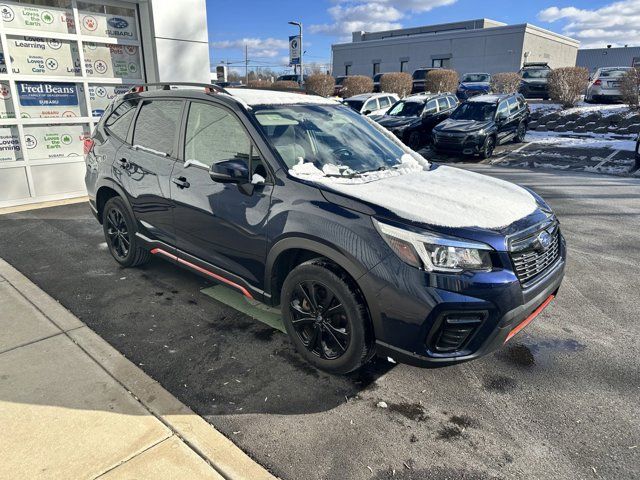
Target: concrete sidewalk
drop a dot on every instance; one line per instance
(72, 407)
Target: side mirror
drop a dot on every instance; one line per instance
(367, 112)
(230, 171)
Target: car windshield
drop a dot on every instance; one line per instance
(420, 74)
(614, 73)
(339, 80)
(536, 73)
(327, 135)
(476, 77)
(355, 104)
(478, 111)
(406, 108)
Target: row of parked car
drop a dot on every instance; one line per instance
(474, 127)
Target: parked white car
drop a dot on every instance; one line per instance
(604, 85)
(371, 103)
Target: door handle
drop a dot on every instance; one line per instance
(124, 163)
(181, 182)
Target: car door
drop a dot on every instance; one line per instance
(147, 163)
(384, 103)
(430, 116)
(502, 120)
(371, 107)
(222, 224)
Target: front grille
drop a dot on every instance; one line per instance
(531, 258)
(450, 138)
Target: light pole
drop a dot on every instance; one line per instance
(299, 25)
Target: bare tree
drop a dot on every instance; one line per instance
(399, 83)
(630, 87)
(568, 84)
(356, 85)
(441, 80)
(320, 83)
(505, 82)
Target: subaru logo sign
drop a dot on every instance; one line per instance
(117, 22)
(544, 240)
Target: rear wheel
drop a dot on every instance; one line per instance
(119, 232)
(325, 318)
(488, 147)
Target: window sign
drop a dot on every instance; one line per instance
(49, 100)
(40, 56)
(6, 104)
(54, 141)
(10, 149)
(35, 17)
(107, 25)
(101, 95)
(112, 61)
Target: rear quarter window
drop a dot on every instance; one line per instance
(158, 125)
(119, 121)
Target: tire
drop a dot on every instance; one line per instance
(520, 133)
(414, 142)
(119, 232)
(338, 343)
(488, 148)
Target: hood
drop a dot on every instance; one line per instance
(437, 196)
(475, 86)
(390, 122)
(463, 126)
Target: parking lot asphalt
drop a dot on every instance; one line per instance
(560, 401)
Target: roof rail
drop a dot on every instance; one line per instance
(209, 87)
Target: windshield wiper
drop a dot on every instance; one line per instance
(381, 168)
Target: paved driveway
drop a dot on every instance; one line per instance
(560, 401)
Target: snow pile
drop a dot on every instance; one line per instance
(582, 140)
(444, 196)
(272, 97)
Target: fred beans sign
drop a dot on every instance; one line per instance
(54, 141)
(48, 100)
(101, 95)
(40, 56)
(10, 148)
(112, 61)
(105, 25)
(35, 17)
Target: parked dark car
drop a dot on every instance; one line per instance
(535, 80)
(412, 119)
(337, 90)
(473, 84)
(376, 82)
(481, 123)
(290, 78)
(420, 78)
(298, 201)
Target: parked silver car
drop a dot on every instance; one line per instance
(604, 85)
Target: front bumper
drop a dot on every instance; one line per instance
(407, 316)
(534, 91)
(466, 144)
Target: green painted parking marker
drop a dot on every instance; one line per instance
(267, 315)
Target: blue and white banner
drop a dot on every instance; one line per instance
(294, 50)
(42, 99)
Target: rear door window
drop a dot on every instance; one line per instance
(503, 109)
(443, 104)
(432, 107)
(384, 102)
(513, 105)
(158, 125)
(453, 102)
(371, 105)
(119, 121)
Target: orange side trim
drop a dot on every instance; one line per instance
(244, 291)
(530, 318)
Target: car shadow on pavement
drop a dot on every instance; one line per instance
(216, 360)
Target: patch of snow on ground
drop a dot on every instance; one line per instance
(545, 107)
(581, 140)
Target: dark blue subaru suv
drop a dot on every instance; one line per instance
(298, 201)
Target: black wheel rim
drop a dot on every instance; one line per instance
(118, 233)
(489, 147)
(320, 320)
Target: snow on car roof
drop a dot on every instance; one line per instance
(487, 98)
(253, 97)
(366, 96)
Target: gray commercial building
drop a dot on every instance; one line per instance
(594, 58)
(471, 46)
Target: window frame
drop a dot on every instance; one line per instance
(270, 180)
(446, 103)
(176, 141)
(376, 68)
(426, 106)
(403, 64)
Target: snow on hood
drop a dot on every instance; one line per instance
(444, 196)
(451, 125)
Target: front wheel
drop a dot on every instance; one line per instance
(414, 142)
(488, 148)
(325, 317)
(521, 132)
(119, 232)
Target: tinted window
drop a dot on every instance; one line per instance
(158, 125)
(214, 135)
(613, 73)
(419, 74)
(513, 105)
(406, 108)
(355, 104)
(443, 104)
(432, 107)
(384, 102)
(474, 111)
(453, 102)
(119, 121)
(536, 73)
(503, 109)
(475, 78)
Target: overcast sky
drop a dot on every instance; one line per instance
(262, 25)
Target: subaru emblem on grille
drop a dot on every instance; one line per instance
(544, 240)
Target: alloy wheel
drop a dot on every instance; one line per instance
(320, 320)
(118, 233)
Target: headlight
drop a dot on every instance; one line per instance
(434, 252)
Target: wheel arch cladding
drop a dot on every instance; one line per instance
(106, 192)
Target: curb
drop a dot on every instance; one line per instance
(216, 449)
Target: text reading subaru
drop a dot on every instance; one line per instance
(298, 201)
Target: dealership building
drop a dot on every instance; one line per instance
(471, 46)
(62, 61)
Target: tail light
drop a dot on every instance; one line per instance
(597, 82)
(88, 145)
(137, 89)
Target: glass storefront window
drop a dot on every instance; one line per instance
(44, 56)
(54, 142)
(107, 21)
(112, 61)
(10, 148)
(6, 103)
(101, 95)
(43, 16)
(51, 100)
